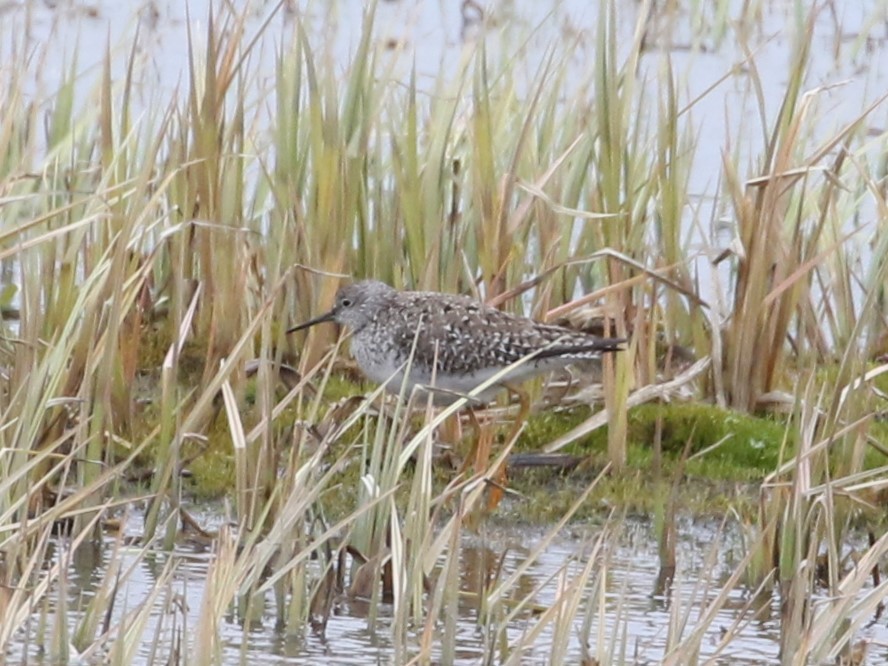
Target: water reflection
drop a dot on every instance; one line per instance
(636, 611)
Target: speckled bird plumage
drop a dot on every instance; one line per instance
(459, 342)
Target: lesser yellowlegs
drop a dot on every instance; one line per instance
(451, 344)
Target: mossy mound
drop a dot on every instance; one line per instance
(737, 442)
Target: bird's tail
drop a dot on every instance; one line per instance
(580, 349)
(611, 344)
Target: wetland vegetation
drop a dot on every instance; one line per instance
(157, 243)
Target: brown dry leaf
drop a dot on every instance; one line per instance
(368, 575)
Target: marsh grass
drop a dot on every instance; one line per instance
(209, 222)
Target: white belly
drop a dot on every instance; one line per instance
(385, 369)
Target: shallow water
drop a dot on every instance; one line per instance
(850, 41)
(636, 616)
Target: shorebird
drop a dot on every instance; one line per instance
(450, 344)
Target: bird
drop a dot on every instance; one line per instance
(450, 344)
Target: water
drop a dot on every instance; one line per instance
(637, 612)
(633, 606)
(432, 36)
(712, 57)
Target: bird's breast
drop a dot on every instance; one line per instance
(377, 356)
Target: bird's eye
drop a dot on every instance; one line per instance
(346, 302)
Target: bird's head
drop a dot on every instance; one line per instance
(355, 305)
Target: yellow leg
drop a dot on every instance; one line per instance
(499, 477)
(479, 452)
(482, 442)
(523, 412)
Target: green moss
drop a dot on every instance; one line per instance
(542, 496)
(154, 342)
(878, 430)
(339, 387)
(749, 443)
(212, 472)
(545, 427)
(827, 374)
(712, 482)
(213, 476)
(154, 345)
(727, 476)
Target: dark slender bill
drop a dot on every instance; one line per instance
(329, 316)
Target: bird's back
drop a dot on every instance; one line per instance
(459, 335)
